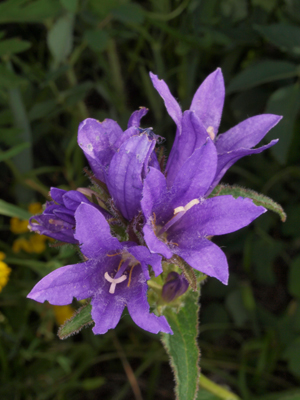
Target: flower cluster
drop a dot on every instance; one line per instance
(137, 214)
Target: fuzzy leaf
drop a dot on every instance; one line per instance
(182, 346)
(258, 199)
(80, 319)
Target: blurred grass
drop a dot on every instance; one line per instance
(73, 59)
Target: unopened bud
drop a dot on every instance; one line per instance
(175, 286)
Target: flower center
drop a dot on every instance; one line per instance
(178, 214)
(125, 268)
(211, 133)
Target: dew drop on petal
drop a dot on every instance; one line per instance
(89, 147)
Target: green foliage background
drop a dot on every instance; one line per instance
(66, 60)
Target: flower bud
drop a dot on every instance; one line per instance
(174, 287)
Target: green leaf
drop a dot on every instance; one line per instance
(262, 72)
(70, 5)
(80, 319)
(25, 11)
(292, 355)
(129, 12)
(60, 38)
(8, 79)
(97, 40)
(6, 155)
(294, 278)
(286, 37)
(182, 346)
(286, 102)
(258, 199)
(11, 210)
(12, 46)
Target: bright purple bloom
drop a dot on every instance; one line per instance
(176, 285)
(114, 276)
(118, 159)
(180, 220)
(57, 220)
(203, 120)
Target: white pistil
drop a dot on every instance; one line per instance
(210, 131)
(114, 281)
(187, 207)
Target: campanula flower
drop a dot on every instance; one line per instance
(180, 221)
(202, 120)
(57, 220)
(114, 276)
(119, 159)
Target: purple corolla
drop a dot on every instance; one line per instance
(180, 221)
(203, 120)
(114, 276)
(57, 220)
(119, 159)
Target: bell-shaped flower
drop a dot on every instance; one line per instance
(119, 159)
(203, 120)
(180, 221)
(114, 275)
(57, 220)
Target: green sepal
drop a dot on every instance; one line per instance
(258, 199)
(182, 346)
(80, 319)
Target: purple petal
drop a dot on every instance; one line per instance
(208, 101)
(57, 194)
(97, 141)
(64, 214)
(143, 255)
(155, 245)
(247, 134)
(93, 233)
(195, 176)
(206, 257)
(61, 285)
(125, 174)
(154, 189)
(132, 131)
(215, 216)
(171, 104)
(106, 312)
(136, 117)
(226, 160)
(56, 229)
(192, 137)
(139, 308)
(73, 198)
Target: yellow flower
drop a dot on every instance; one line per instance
(62, 313)
(21, 244)
(4, 271)
(18, 226)
(35, 208)
(35, 244)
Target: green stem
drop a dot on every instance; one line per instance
(219, 391)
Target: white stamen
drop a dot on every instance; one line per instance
(187, 207)
(210, 131)
(114, 281)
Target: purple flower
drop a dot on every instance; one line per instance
(176, 285)
(203, 120)
(114, 276)
(180, 221)
(57, 220)
(118, 159)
